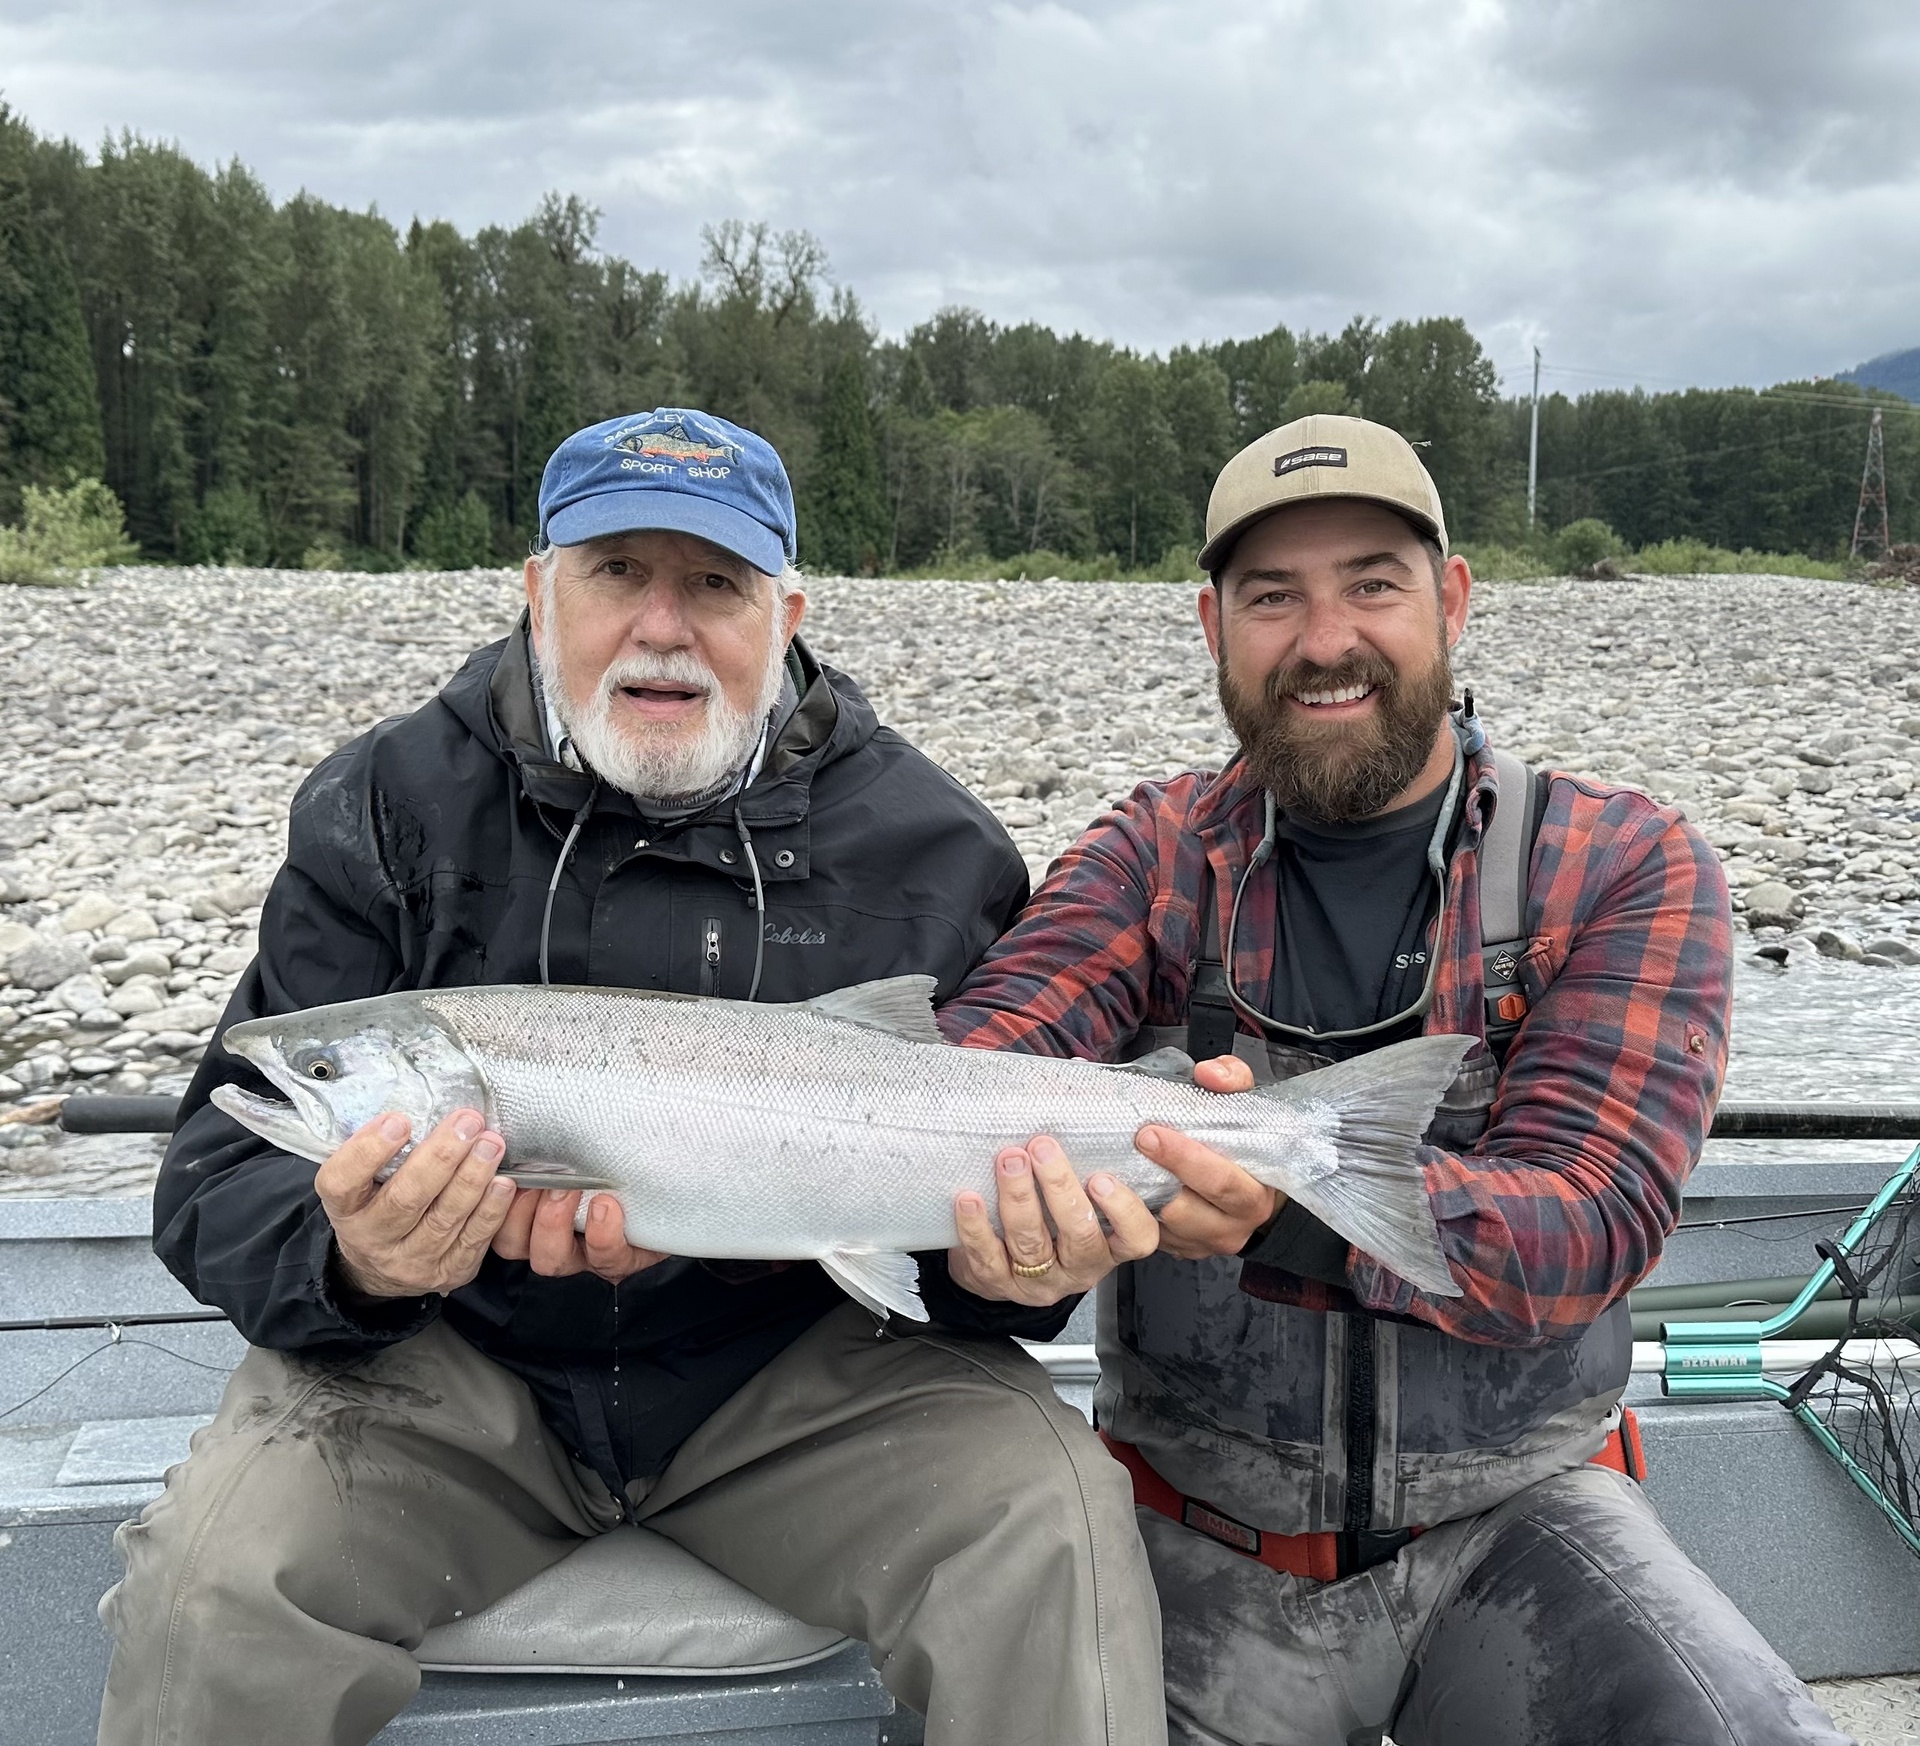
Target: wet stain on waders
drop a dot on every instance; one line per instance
(337, 1414)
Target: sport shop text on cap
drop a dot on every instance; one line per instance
(1324, 455)
(675, 469)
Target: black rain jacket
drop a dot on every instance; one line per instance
(420, 855)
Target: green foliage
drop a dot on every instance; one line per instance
(229, 527)
(1581, 545)
(1689, 557)
(64, 530)
(846, 508)
(455, 536)
(1495, 561)
(49, 410)
(273, 381)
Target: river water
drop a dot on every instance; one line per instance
(1823, 1031)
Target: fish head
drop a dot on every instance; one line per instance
(341, 1066)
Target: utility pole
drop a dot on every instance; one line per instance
(1533, 442)
(1870, 533)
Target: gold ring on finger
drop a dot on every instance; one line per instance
(1039, 1271)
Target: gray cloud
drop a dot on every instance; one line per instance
(1719, 191)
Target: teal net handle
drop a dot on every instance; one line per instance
(1722, 1360)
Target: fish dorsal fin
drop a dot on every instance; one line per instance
(1167, 1063)
(900, 1005)
(886, 1282)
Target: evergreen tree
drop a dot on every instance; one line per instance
(49, 404)
(847, 528)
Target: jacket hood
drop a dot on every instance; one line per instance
(494, 696)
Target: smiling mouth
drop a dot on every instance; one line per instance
(1334, 697)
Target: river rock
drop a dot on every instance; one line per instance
(1773, 905)
(13, 935)
(149, 961)
(91, 913)
(81, 993)
(45, 963)
(182, 1015)
(133, 925)
(1898, 951)
(1831, 943)
(132, 999)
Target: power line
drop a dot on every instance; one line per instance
(1672, 455)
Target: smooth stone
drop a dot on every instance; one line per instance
(135, 999)
(134, 924)
(1897, 950)
(98, 1018)
(90, 914)
(81, 993)
(14, 935)
(45, 963)
(1772, 905)
(227, 961)
(1831, 943)
(184, 1015)
(147, 962)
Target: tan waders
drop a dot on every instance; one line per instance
(930, 1495)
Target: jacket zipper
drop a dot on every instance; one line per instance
(710, 955)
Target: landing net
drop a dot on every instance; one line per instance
(1862, 1400)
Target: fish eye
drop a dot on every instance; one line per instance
(321, 1069)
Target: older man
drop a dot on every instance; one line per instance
(1368, 1505)
(650, 783)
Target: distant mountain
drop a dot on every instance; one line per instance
(1894, 372)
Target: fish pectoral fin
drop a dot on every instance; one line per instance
(886, 1282)
(1167, 1063)
(557, 1176)
(900, 1005)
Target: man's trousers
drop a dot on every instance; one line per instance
(929, 1495)
(1566, 1617)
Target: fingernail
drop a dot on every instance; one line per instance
(488, 1150)
(466, 1125)
(556, 1194)
(1013, 1163)
(395, 1127)
(971, 1203)
(500, 1189)
(1045, 1151)
(1148, 1140)
(1102, 1184)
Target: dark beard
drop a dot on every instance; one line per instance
(1340, 773)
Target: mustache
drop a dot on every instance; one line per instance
(1373, 671)
(673, 667)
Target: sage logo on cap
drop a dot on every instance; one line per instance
(1309, 458)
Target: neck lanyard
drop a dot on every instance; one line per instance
(1436, 863)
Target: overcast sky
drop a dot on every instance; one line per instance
(1668, 191)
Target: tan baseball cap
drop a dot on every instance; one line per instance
(1323, 455)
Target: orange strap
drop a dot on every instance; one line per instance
(1313, 1555)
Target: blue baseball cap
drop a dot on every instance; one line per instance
(675, 469)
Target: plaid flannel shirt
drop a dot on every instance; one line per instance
(1608, 1088)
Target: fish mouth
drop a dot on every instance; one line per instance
(302, 1125)
(279, 1124)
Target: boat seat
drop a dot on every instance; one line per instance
(628, 1602)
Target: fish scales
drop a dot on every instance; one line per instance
(803, 1123)
(838, 1129)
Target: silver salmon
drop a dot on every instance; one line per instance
(835, 1130)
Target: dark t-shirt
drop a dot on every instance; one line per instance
(1356, 902)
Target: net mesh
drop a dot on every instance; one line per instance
(1863, 1401)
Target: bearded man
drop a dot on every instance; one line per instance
(1369, 1506)
(650, 783)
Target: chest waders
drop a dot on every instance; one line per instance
(1345, 1424)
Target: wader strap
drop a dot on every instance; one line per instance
(1506, 861)
(1211, 1021)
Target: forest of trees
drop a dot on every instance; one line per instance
(299, 383)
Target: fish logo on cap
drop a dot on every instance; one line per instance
(657, 441)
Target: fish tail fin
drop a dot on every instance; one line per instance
(1376, 1197)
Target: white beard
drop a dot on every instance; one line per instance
(639, 758)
